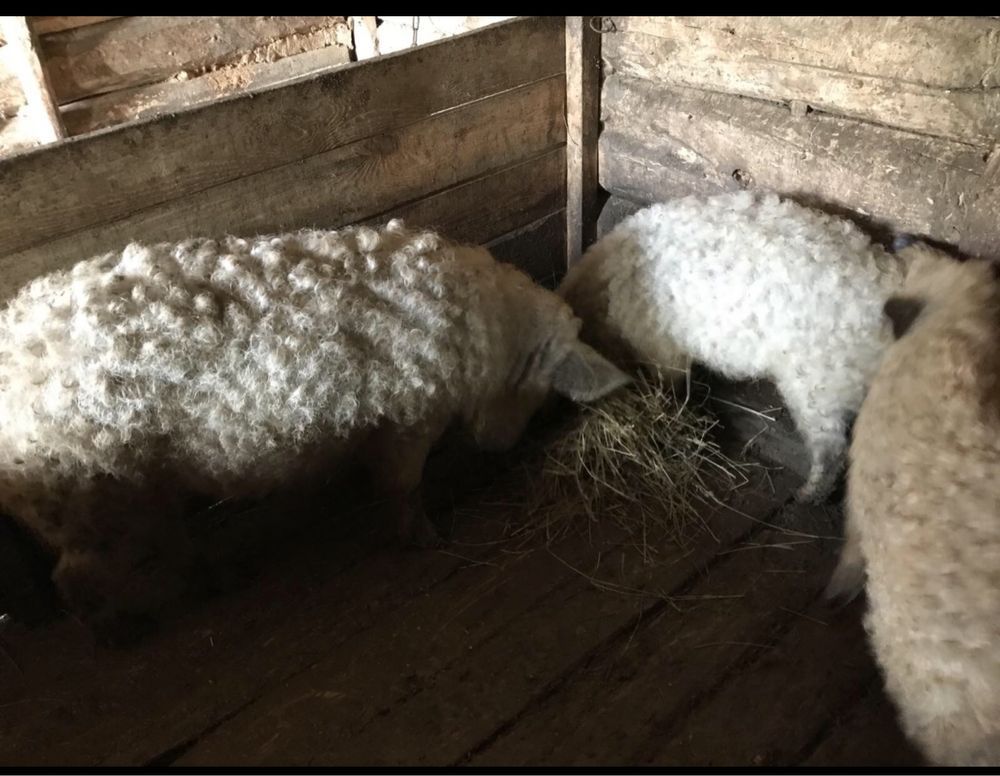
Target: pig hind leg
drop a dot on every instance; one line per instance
(821, 419)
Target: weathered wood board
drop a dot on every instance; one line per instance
(662, 141)
(933, 75)
(46, 24)
(135, 50)
(173, 95)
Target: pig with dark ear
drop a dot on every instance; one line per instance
(231, 368)
(923, 508)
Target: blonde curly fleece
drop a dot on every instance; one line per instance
(924, 509)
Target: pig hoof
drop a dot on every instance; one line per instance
(846, 584)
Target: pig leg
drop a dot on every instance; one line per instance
(820, 419)
(395, 458)
(124, 554)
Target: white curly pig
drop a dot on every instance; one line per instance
(232, 368)
(923, 509)
(752, 286)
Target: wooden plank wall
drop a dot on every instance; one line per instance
(106, 70)
(109, 69)
(894, 121)
(467, 134)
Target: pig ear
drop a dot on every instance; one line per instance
(902, 311)
(585, 375)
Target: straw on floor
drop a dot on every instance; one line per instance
(643, 460)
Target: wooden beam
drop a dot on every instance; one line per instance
(137, 50)
(43, 25)
(31, 73)
(583, 113)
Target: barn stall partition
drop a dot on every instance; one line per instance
(580, 651)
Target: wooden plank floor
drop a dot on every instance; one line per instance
(344, 651)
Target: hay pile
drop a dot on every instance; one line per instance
(642, 460)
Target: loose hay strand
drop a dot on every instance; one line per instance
(637, 461)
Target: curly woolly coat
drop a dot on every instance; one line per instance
(753, 287)
(228, 368)
(924, 509)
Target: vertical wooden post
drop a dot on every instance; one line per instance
(39, 98)
(583, 115)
